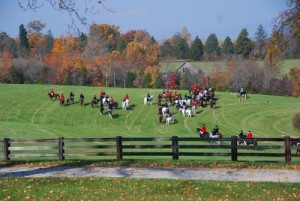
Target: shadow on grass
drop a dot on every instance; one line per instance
(36, 169)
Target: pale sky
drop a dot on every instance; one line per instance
(161, 18)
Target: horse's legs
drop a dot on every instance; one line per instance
(160, 117)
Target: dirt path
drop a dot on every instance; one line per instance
(254, 175)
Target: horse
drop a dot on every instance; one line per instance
(115, 105)
(94, 103)
(246, 141)
(165, 111)
(61, 102)
(101, 108)
(81, 100)
(105, 100)
(218, 135)
(202, 135)
(54, 95)
(170, 119)
(148, 100)
(124, 105)
(243, 94)
(127, 102)
(110, 113)
(185, 112)
(186, 102)
(70, 99)
(297, 144)
(212, 103)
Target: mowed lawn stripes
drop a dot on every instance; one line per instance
(27, 112)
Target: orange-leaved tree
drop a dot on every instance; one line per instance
(5, 67)
(295, 78)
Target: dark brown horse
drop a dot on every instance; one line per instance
(54, 95)
(202, 135)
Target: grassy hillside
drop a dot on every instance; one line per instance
(27, 112)
(210, 66)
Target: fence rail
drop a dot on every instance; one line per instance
(174, 147)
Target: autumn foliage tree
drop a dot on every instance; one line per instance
(295, 79)
(5, 67)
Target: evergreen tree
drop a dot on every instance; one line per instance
(67, 80)
(82, 41)
(196, 50)
(181, 47)
(147, 81)
(211, 48)
(24, 45)
(3, 36)
(81, 76)
(131, 76)
(159, 83)
(227, 48)
(167, 50)
(121, 44)
(49, 41)
(243, 44)
(261, 38)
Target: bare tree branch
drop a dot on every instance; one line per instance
(69, 6)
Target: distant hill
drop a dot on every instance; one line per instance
(209, 66)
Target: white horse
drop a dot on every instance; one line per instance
(148, 100)
(165, 111)
(105, 101)
(186, 112)
(186, 102)
(170, 119)
(124, 105)
(127, 102)
(219, 135)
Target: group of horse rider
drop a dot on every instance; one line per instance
(202, 131)
(170, 98)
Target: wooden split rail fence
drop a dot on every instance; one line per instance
(175, 147)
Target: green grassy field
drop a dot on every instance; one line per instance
(142, 189)
(27, 112)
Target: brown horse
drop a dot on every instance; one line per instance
(202, 135)
(62, 102)
(54, 95)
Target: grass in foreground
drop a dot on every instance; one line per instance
(142, 189)
(155, 164)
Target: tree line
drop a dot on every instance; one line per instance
(107, 57)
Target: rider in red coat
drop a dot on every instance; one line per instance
(249, 135)
(52, 92)
(62, 97)
(102, 93)
(203, 128)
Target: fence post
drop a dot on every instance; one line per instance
(287, 146)
(61, 149)
(119, 148)
(175, 152)
(6, 149)
(234, 148)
